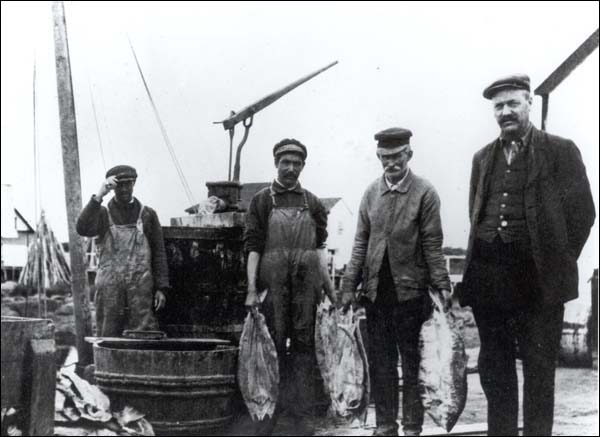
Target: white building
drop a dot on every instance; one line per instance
(16, 236)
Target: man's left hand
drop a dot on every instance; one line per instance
(159, 300)
(446, 296)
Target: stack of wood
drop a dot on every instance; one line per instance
(46, 262)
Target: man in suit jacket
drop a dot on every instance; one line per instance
(531, 211)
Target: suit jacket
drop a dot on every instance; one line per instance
(559, 211)
(407, 224)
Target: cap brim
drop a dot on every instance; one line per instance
(489, 93)
(391, 150)
(290, 148)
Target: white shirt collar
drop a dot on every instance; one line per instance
(394, 187)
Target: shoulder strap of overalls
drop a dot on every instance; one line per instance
(110, 219)
(141, 211)
(272, 193)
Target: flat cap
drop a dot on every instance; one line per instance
(122, 172)
(290, 145)
(514, 82)
(392, 140)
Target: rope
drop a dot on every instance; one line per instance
(36, 202)
(182, 178)
(97, 127)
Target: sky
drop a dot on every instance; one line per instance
(421, 66)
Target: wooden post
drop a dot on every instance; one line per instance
(545, 99)
(43, 386)
(70, 153)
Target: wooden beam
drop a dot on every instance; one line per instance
(545, 101)
(70, 153)
(43, 387)
(570, 64)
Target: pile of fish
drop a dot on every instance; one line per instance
(342, 360)
(443, 369)
(258, 367)
(81, 409)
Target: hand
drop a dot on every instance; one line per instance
(252, 299)
(159, 300)
(446, 296)
(109, 184)
(347, 299)
(329, 291)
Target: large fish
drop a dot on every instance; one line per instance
(443, 369)
(258, 368)
(342, 360)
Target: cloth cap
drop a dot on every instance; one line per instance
(290, 146)
(514, 82)
(123, 173)
(392, 140)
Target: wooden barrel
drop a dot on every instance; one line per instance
(184, 386)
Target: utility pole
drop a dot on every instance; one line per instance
(70, 153)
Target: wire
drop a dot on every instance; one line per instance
(182, 177)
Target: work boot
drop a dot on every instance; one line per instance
(386, 430)
(304, 426)
(265, 427)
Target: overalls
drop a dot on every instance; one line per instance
(124, 282)
(289, 269)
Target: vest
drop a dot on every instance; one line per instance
(504, 210)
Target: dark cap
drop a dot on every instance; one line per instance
(123, 173)
(392, 140)
(290, 145)
(512, 82)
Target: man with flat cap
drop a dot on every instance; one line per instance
(132, 277)
(286, 229)
(531, 211)
(397, 255)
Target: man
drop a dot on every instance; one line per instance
(285, 238)
(132, 277)
(397, 255)
(531, 211)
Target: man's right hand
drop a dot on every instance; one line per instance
(252, 298)
(107, 185)
(346, 300)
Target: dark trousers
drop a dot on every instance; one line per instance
(394, 326)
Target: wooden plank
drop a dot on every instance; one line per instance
(43, 386)
(194, 233)
(140, 342)
(570, 64)
(16, 334)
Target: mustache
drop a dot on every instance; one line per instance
(508, 118)
(392, 167)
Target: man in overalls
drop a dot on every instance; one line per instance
(285, 237)
(132, 276)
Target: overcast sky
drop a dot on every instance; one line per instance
(420, 66)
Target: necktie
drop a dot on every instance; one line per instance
(514, 147)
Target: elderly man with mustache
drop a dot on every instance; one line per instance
(397, 255)
(286, 229)
(531, 211)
